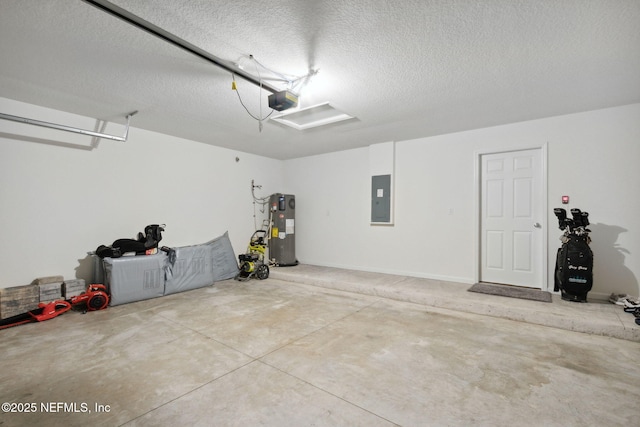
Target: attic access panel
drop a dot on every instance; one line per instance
(311, 117)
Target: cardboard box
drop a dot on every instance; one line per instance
(18, 300)
(73, 288)
(47, 280)
(50, 292)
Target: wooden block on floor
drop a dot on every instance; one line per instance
(47, 280)
(73, 288)
(18, 300)
(50, 292)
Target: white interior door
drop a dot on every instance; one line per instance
(511, 241)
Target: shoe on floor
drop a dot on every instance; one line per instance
(624, 300)
(618, 298)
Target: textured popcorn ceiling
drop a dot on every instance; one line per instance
(405, 69)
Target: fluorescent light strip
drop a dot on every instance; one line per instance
(311, 117)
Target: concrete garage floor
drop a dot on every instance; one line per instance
(287, 353)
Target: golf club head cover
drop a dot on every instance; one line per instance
(561, 213)
(585, 218)
(577, 217)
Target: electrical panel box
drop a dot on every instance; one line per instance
(282, 242)
(381, 199)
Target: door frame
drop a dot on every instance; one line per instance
(544, 257)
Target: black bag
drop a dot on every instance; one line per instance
(149, 240)
(574, 269)
(574, 263)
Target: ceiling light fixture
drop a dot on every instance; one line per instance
(311, 117)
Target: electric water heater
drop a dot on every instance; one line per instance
(282, 239)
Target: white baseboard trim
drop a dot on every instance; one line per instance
(598, 296)
(421, 275)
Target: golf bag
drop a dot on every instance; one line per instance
(146, 242)
(574, 263)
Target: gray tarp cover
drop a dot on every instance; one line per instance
(200, 265)
(137, 278)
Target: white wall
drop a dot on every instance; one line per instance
(593, 157)
(60, 199)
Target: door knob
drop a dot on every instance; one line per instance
(537, 225)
